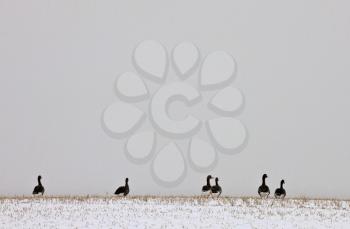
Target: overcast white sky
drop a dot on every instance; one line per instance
(59, 61)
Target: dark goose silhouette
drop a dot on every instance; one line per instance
(207, 187)
(216, 188)
(264, 190)
(39, 188)
(280, 193)
(123, 189)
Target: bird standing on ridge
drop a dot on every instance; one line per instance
(207, 187)
(123, 189)
(216, 188)
(39, 188)
(264, 190)
(280, 193)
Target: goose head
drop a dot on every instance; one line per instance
(209, 177)
(126, 180)
(282, 183)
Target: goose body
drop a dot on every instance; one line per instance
(216, 188)
(39, 188)
(207, 187)
(123, 189)
(264, 190)
(280, 192)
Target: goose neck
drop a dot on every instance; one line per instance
(208, 181)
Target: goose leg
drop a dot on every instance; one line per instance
(219, 194)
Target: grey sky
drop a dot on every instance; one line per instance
(59, 61)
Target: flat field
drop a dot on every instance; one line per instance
(171, 212)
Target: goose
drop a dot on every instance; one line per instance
(123, 189)
(280, 193)
(207, 187)
(39, 188)
(216, 188)
(264, 190)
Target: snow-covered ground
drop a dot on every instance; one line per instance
(172, 212)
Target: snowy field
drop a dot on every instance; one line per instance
(171, 212)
